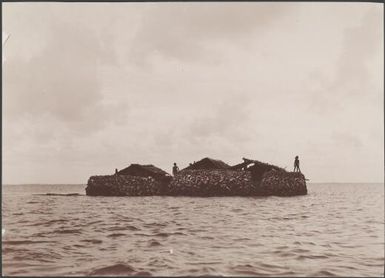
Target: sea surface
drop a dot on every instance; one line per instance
(336, 230)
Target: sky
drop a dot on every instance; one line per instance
(90, 87)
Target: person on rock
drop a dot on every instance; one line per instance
(175, 169)
(296, 164)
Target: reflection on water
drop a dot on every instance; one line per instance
(336, 230)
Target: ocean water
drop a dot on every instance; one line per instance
(335, 230)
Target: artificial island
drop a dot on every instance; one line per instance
(205, 178)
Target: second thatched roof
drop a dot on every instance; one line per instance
(208, 164)
(143, 171)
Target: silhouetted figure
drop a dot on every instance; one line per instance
(296, 165)
(116, 171)
(175, 169)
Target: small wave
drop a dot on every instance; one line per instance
(177, 234)
(237, 210)
(283, 254)
(207, 270)
(299, 250)
(50, 222)
(79, 246)
(116, 269)
(116, 235)
(151, 225)
(124, 228)
(373, 264)
(302, 257)
(8, 250)
(324, 273)
(247, 270)
(271, 266)
(171, 208)
(95, 241)
(162, 234)
(205, 263)
(58, 194)
(132, 228)
(55, 221)
(282, 247)
(68, 231)
(207, 237)
(154, 243)
(250, 272)
(21, 242)
(197, 230)
(141, 234)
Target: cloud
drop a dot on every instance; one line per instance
(361, 46)
(343, 139)
(185, 33)
(352, 76)
(228, 121)
(61, 83)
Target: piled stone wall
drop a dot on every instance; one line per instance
(211, 183)
(123, 185)
(202, 183)
(282, 183)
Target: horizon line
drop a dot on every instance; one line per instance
(316, 182)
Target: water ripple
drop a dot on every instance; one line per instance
(336, 230)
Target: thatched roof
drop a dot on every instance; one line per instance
(143, 171)
(247, 162)
(208, 164)
(154, 169)
(257, 168)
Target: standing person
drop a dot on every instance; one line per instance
(175, 169)
(296, 164)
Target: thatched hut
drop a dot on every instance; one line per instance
(135, 180)
(269, 179)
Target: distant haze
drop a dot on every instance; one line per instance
(90, 87)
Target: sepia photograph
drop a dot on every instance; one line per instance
(194, 139)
